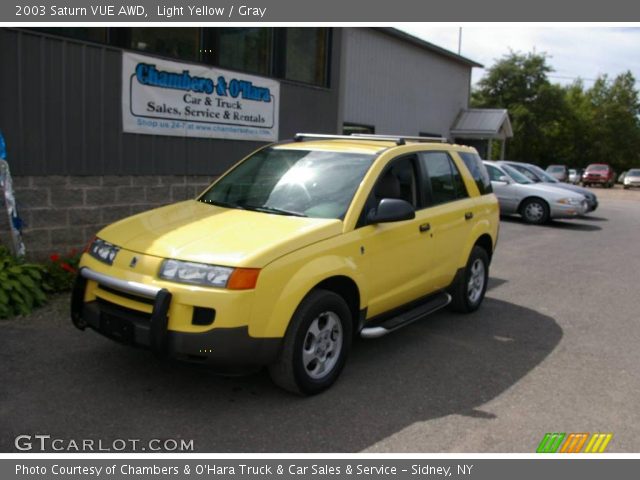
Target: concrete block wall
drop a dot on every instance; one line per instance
(63, 212)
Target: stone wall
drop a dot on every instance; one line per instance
(64, 212)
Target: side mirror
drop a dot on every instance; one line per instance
(504, 179)
(391, 210)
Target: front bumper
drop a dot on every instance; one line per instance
(595, 180)
(224, 347)
(568, 211)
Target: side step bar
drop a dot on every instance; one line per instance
(432, 305)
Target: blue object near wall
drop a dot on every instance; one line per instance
(3, 147)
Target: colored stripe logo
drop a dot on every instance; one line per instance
(574, 443)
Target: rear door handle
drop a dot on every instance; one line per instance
(425, 227)
(468, 215)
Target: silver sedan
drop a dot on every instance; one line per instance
(536, 203)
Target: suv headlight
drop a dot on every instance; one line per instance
(103, 251)
(209, 275)
(570, 201)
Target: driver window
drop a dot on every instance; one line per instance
(494, 173)
(399, 180)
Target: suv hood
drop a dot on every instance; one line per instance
(199, 232)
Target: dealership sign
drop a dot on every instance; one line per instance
(160, 97)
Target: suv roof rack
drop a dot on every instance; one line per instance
(402, 137)
(301, 136)
(398, 139)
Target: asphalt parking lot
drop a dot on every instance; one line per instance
(555, 348)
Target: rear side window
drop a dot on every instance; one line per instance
(443, 182)
(478, 171)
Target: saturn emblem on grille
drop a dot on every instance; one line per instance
(133, 262)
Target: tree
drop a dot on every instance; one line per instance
(519, 83)
(570, 125)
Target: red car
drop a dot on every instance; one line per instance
(599, 174)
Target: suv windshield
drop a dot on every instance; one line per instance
(554, 168)
(516, 175)
(306, 183)
(633, 173)
(597, 168)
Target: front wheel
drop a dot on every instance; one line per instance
(535, 211)
(315, 346)
(469, 289)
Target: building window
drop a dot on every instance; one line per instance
(89, 34)
(429, 134)
(244, 49)
(306, 55)
(349, 128)
(182, 43)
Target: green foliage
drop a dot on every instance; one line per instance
(573, 125)
(61, 271)
(21, 285)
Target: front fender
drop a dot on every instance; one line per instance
(283, 285)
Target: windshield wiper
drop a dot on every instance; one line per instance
(223, 204)
(277, 211)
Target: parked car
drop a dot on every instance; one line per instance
(537, 203)
(560, 172)
(621, 177)
(292, 252)
(632, 178)
(575, 174)
(536, 174)
(599, 174)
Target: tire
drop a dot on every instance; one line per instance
(469, 289)
(312, 342)
(535, 211)
(626, 187)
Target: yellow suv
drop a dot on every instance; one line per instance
(293, 251)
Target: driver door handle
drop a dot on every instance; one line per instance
(468, 215)
(425, 227)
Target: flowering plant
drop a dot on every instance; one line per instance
(62, 270)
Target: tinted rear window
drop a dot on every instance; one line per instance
(478, 171)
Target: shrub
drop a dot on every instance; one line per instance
(22, 285)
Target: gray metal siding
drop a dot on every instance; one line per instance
(60, 111)
(399, 87)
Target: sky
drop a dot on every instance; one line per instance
(574, 51)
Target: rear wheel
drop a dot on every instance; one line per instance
(315, 346)
(535, 211)
(469, 290)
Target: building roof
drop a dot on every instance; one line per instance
(418, 42)
(482, 123)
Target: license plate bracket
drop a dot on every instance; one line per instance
(118, 329)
